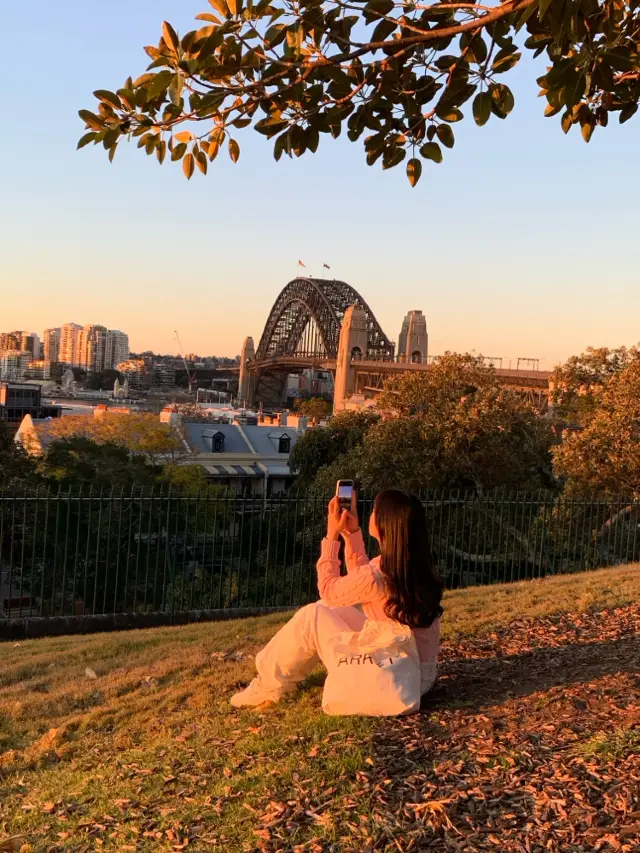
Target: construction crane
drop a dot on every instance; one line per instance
(191, 378)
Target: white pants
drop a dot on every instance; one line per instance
(298, 647)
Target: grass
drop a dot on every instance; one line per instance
(126, 741)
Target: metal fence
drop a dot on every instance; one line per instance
(78, 554)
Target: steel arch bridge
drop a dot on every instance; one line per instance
(304, 323)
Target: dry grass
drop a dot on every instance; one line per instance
(148, 755)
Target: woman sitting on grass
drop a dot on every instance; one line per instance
(402, 585)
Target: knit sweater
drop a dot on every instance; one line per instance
(364, 584)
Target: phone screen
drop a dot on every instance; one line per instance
(345, 491)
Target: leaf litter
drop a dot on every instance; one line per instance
(528, 742)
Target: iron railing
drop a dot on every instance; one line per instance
(83, 553)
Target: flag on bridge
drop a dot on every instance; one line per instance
(300, 264)
(326, 266)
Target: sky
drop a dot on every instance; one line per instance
(522, 243)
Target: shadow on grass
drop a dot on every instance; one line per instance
(473, 682)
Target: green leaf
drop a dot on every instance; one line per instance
(201, 162)
(524, 17)
(86, 139)
(91, 119)
(383, 30)
(217, 135)
(108, 98)
(543, 5)
(280, 145)
(504, 62)
(178, 152)
(501, 99)
(270, 126)
(627, 111)
(375, 8)
(312, 139)
(482, 108)
(234, 150)
(175, 89)
(445, 135)
(112, 151)
(476, 48)
(219, 6)
(450, 114)
(188, 165)
(432, 151)
(414, 170)
(170, 36)
(621, 59)
(159, 84)
(207, 16)
(587, 129)
(392, 156)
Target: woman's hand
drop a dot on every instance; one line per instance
(342, 521)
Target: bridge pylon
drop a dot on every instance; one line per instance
(247, 379)
(352, 346)
(413, 343)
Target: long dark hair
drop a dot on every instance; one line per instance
(413, 581)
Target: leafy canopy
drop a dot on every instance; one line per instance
(577, 384)
(397, 74)
(453, 426)
(141, 434)
(605, 456)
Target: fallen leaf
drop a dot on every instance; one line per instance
(13, 843)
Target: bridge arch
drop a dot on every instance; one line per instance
(308, 314)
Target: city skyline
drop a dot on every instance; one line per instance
(480, 246)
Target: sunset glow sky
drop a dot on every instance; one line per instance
(523, 242)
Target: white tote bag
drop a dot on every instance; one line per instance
(373, 672)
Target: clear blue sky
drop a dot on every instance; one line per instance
(523, 242)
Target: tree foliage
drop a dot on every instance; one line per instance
(397, 74)
(141, 434)
(315, 408)
(322, 446)
(452, 427)
(605, 456)
(79, 461)
(577, 384)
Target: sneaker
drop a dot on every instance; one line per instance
(255, 696)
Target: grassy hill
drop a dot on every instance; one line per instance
(529, 741)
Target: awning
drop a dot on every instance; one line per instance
(224, 471)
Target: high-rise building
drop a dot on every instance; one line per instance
(51, 344)
(68, 349)
(116, 348)
(20, 341)
(10, 341)
(13, 364)
(39, 369)
(91, 348)
(30, 342)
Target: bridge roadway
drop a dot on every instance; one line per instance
(524, 379)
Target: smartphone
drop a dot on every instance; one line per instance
(344, 493)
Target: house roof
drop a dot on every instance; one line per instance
(265, 439)
(199, 437)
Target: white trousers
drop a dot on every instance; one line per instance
(299, 647)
